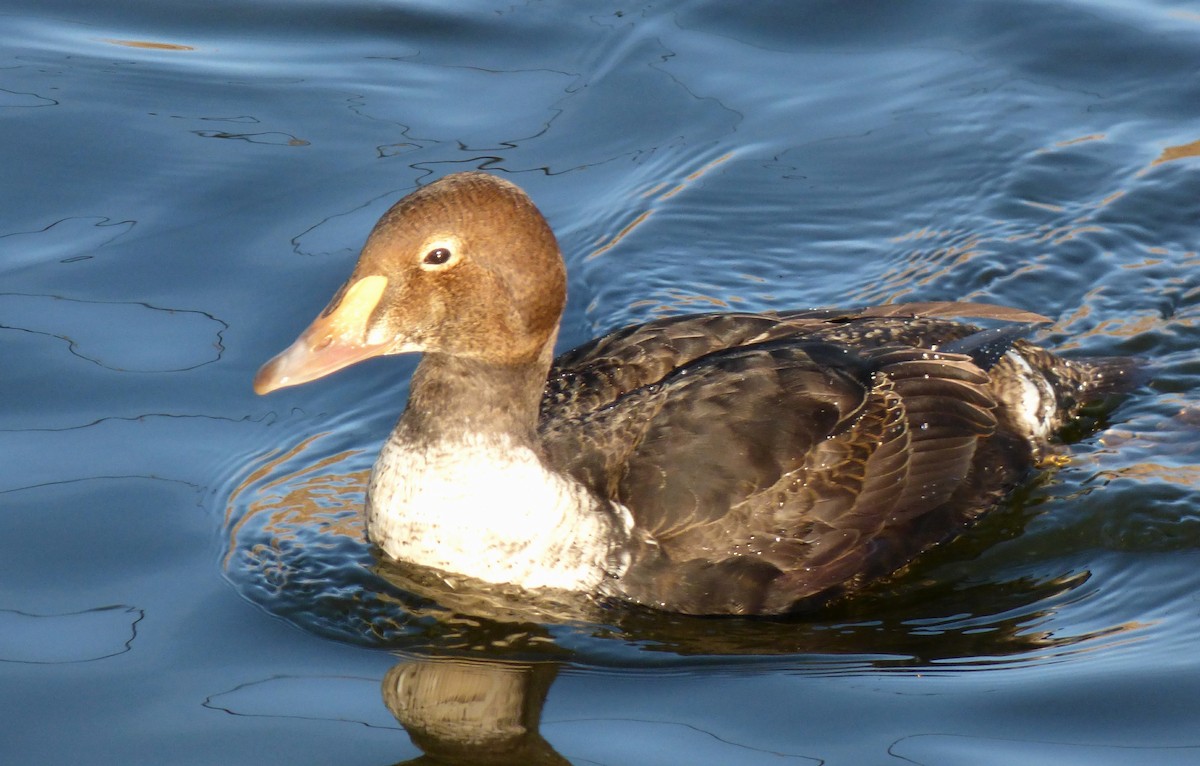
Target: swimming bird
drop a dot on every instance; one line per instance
(721, 463)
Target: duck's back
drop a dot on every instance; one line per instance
(771, 461)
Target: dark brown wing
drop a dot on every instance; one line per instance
(867, 492)
(684, 450)
(787, 458)
(601, 371)
(728, 427)
(936, 309)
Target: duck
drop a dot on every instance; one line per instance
(727, 463)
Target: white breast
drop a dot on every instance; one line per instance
(488, 509)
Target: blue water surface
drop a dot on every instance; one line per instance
(183, 577)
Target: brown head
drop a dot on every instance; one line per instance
(466, 266)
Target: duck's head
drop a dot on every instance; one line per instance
(466, 266)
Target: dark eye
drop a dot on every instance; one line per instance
(437, 256)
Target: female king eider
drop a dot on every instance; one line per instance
(729, 463)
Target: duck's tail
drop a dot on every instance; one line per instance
(1094, 379)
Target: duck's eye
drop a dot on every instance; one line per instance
(437, 256)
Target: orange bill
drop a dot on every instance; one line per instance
(333, 341)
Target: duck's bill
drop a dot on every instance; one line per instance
(337, 339)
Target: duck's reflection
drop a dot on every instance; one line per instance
(469, 711)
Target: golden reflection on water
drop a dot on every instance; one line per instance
(943, 252)
(313, 497)
(1121, 327)
(150, 45)
(1184, 475)
(681, 299)
(1081, 140)
(940, 253)
(604, 244)
(1168, 154)
(1172, 153)
(1171, 437)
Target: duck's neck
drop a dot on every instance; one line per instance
(452, 396)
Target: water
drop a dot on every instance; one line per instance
(182, 576)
